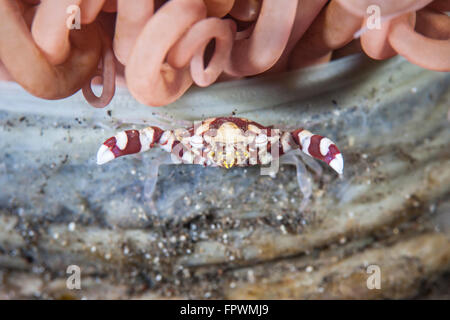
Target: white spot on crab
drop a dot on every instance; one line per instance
(146, 138)
(261, 139)
(285, 141)
(166, 141)
(196, 141)
(305, 139)
(121, 140)
(305, 145)
(325, 144)
(188, 157)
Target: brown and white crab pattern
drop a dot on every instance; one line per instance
(228, 142)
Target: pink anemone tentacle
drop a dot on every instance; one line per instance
(426, 52)
(389, 8)
(29, 66)
(191, 48)
(50, 31)
(333, 28)
(218, 8)
(260, 52)
(150, 79)
(307, 11)
(375, 42)
(107, 72)
(89, 9)
(131, 19)
(246, 10)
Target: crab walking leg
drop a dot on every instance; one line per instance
(129, 142)
(303, 177)
(320, 148)
(151, 177)
(310, 162)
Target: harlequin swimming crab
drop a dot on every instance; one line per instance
(227, 142)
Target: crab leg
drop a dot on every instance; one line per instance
(303, 177)
(320, 148)
(129, 142)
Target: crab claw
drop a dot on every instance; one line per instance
(128, 142)
(320, 148)
(123, 143)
